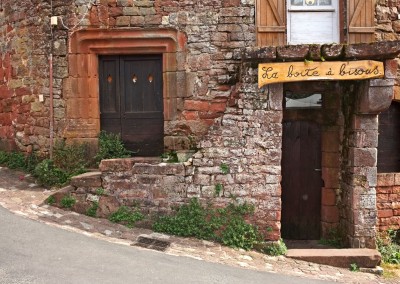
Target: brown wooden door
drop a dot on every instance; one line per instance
(388, 142)
(131, 101)
(301, 180)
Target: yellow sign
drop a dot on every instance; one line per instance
(269, 73)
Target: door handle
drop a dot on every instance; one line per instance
(318, 170)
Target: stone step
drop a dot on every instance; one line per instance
(90, 179)
(366, 258)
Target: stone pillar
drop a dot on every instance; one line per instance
(360, 173)
(360, 181)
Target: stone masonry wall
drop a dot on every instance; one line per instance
(24, 75)
(388, 201)
(215, 30)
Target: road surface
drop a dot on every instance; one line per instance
(33, 252)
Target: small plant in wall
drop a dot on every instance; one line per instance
(68, 201)
(92, 209)
(224, 168)
(218, 189)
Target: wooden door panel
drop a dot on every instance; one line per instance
(361, 20)
(140, 119)
(108, 80)
(301, 180)
(388, 140)
(141, 136)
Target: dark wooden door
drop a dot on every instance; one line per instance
(388, 142)
(131, 101)
(301, 180)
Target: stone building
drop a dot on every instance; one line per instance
(305, 153)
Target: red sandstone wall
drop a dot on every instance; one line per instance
(388, 201)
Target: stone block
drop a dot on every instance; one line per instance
(376, 50)
(123, 21)
(375, 97)
(391, 69)
(116, 165)
(397, 179)
(368, 258)
(329, 214)
(107, 206)
(90, 179)
(328, 197)
(365, 122)
(293, 52)
(61, 193)
(275, 92)
(332, 51)
(257, 54)
(386, 213)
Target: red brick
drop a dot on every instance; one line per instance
(385, 213)
(384, 189)
(385, 179)
(230, 3)
(115, 11)
(197, 105)
(384, 205)
(396, 212)
(190, 115)
(209, 115)
(396, 189)
(381, 198)
(218, 107)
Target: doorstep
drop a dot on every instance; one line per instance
(363, 258)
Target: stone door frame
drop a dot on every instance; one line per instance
(81, 88)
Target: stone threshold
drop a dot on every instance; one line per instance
(344, 258)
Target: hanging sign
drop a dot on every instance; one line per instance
(269, 73)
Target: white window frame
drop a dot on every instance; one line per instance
(304, 9)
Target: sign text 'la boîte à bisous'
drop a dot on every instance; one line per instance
(269, 73)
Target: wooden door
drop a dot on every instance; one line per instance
(131, 101)
(301, 180)
(388, 140)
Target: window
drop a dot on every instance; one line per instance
(312, 21)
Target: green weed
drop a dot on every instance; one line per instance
(218, 189)
(389, 247)
(50, 200)
(93, 209)
(110, 147)
(224, 168)
(354, 267)
(48, 174)
(68, 201)
(225, 225)
(71, 158)
(275, 249)
(126, 216)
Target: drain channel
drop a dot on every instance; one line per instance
(150, 243)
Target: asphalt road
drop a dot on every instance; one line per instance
(33, 252)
